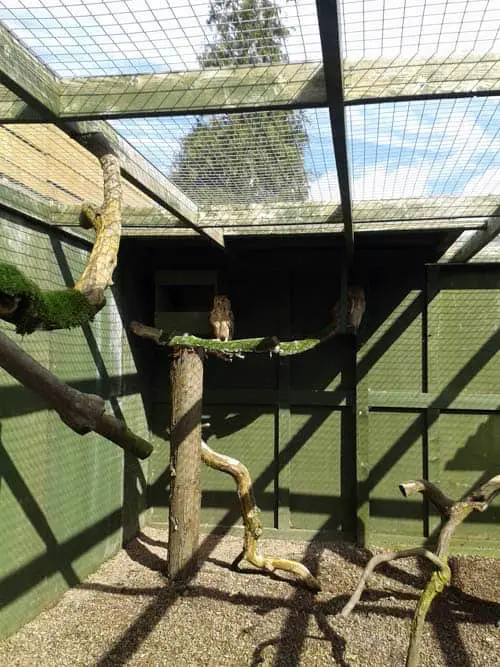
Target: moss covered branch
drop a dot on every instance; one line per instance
(24, 304)
(251, 520)
(453, 514)
(81, 412)
(269, 344)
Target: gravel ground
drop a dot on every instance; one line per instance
(125, 613)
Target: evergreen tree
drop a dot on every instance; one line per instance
(244, 157)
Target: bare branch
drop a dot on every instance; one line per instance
(453, 513)
(435, 495)
(251, 520)
(81, 412)
(377, 559)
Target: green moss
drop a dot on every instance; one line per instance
(59, 309)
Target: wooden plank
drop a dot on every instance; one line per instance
(276, 86)
(408, 400)
(194, 92)
(464, 249)
(362, 461)
(423, 208)
(156, 221)
(26, 76)
(460, 75)
(13, 108)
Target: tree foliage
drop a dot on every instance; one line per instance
(244, 157)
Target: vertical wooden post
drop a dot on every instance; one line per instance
(185, 441)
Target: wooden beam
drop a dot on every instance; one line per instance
(37, 86)
(37, 93)
(458, 75)
(464, 249)
(422, 208)
(272, 219)
(275, 87)
(203, 91)
(25, 76)
(329, 31)
(14, 109)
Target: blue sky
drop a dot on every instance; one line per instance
(407, 149)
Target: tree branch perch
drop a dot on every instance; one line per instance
(24, 304)
(453, 514)
(251, 520)
(81, 412)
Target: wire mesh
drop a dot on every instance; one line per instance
(90, 38)
(44, 160)
(387, 28)
(244, 158)
(445, 149)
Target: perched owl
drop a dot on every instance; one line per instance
(356, 304)
(221, 318)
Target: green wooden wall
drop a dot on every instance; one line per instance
(329, 435)
(62, 510)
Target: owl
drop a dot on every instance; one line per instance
(221, 318)
(356, 305)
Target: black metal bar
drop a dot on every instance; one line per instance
(329, 30)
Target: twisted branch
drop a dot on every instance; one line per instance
(453, 514)
(251, 520)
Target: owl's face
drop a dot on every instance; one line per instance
(221, 303)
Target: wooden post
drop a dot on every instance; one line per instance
(185, 441)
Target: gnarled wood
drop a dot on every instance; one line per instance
(24, 304)
(453, 514)
(251, 520)
(81, 412)
(97, 275)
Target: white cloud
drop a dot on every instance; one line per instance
(487, 183)
(375, 183)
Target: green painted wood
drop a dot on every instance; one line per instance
(437, 400)
(283, 439)
(369, 79)
(362, 462)
(396, 454)
(61, 494)
(315, 495)
(246, 433)
(464, 361)
(392, 354)
(194, 92)
(26, 74)
(14, 109)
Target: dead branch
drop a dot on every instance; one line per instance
(453, 514)
(106, 221)
(24, 304)
(81, 412)
(435, 495)
(376, 560)
(251, 520)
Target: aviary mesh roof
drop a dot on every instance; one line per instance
(399, 149)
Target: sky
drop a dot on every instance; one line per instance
(404, 149)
